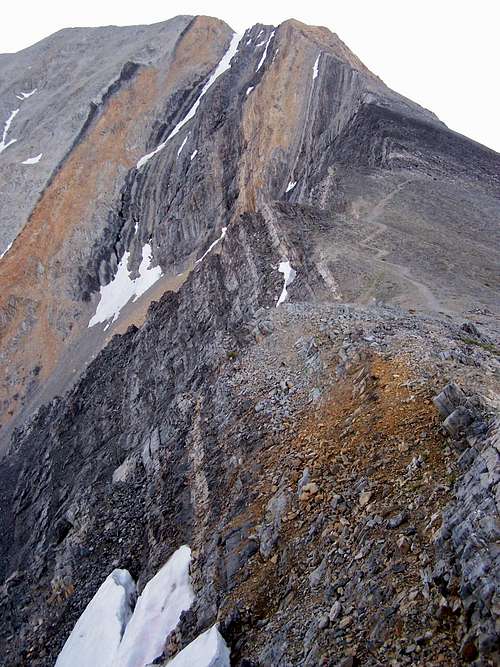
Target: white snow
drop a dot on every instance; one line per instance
(148, 156)
(212, 246)
(116, 294)
(316, 68)
(182, 145)
(194, 154)
(249, 41)
(264, 55)
(24, 96)
(6, 249)
(249, 90)
(291, 186)
(157, 612)
(33, 160)
(111, 632)
(98, 632)
(289, 276)
(6, 127)
(147, 275)
(223, 65)
(208, 650)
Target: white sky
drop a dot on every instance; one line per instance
(444, 54)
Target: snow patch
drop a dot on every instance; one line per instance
(316, 68)
(194, 154)
(208, 650)
(6, 127)
(6, 249)
(249, 90)
(182, 145)
(223, 65)
(147, 275)
(223, 233)
(33, 160)
(116, 294)
(99, 630)
(289, 276)
(157, 612)
(291, 186)
(24, 96)
(264, 55)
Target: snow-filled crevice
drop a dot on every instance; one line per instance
(182, 145)
(6, 249)
(33, 160)
(264, 55)
(223, 65)
(24, 96)
(194, 154)
(288, 277)
(316, 68)
(291, 186)
(212, 246)
(4, 143)
(116, 294)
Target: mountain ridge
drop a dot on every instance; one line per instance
(295, 262)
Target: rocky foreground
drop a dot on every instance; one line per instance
(250, 351)
(337, 481)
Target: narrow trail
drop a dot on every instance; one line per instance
(428, 298)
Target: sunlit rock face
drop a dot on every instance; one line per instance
(236, 271)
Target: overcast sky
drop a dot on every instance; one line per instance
(444, 54)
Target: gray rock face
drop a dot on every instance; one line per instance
(469, 537)
(251, 432)
(270, 531)
(71, 72)
(449, 400)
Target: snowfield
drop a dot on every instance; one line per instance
(116, 294)
(112, 632)
(157, 612)
(99, 630)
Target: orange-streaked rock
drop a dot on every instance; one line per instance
(38, 312)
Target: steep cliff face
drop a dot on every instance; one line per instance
(294, 448)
